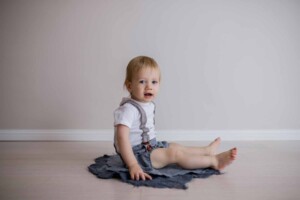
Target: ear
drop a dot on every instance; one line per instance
(129, 86)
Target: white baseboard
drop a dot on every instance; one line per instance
(169, 135)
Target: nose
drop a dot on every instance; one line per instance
(149, 86)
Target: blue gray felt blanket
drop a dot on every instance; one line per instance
(172, 176)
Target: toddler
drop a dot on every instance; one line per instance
(135, 136)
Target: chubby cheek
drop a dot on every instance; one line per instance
(138, 90)
(156, 89)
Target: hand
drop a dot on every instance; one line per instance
(136, 173)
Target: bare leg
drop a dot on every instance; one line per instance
(177, 155)
(204, 151)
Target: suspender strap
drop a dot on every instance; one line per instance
(145, 136)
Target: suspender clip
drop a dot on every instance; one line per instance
(148, 146)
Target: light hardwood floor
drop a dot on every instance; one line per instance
(58, 170)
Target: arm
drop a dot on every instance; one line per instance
(126, 152)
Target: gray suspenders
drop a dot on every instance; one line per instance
(145, 136)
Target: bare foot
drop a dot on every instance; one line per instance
(224, 159)
(212, 147)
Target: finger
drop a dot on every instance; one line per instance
(143, 176)
(137, 177)
(148, 176)
(132, 176)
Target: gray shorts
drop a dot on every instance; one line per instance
(143, 155)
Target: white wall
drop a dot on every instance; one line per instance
(227, 65)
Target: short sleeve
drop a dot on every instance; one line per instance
(124, 115)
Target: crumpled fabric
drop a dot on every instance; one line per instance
(171, 176)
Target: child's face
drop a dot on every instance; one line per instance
(145, 85)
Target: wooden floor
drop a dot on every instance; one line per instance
(58, 170)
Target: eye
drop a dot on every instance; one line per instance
(142, 81)
(154, 82)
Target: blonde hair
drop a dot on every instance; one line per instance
(137, 64)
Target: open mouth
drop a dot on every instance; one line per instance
(148, 95)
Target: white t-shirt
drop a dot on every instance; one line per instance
(129, 116)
